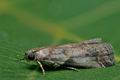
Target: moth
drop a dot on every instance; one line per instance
(93, 53)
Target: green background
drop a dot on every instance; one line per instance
(26, 24)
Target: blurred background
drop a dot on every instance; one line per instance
(26, 24)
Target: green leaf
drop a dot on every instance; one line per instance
(26, 24)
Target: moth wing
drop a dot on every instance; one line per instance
(89, 62)
(57, 56)
(93, 49)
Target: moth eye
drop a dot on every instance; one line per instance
(31, 57)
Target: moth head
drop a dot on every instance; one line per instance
(30, 55)
(36, 54)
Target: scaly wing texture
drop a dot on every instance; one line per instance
(91, 53)
(26, 24)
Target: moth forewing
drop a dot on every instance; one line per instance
(92, 53)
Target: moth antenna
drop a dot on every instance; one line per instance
(41, 67)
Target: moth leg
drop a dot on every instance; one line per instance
(102, 65)
(43, 71)
(72, 68)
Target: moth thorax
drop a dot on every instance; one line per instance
(42, 54)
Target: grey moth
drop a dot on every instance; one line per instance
(93, 53)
